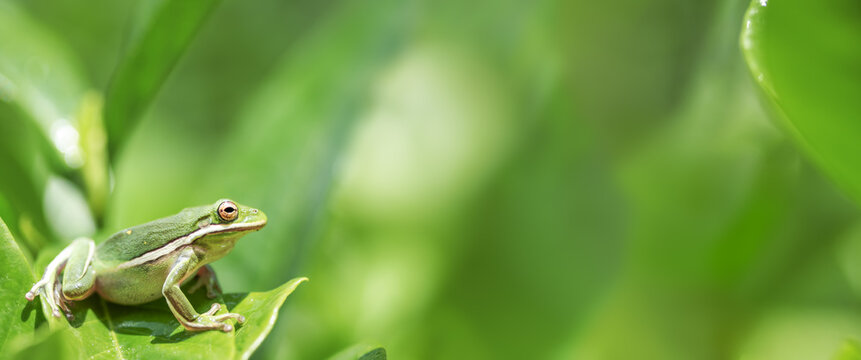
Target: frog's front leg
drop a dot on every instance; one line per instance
(182, 268)
(76, 264)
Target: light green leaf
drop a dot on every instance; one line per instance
(849, 351)
(101, 329)
(160, 38)
(46, 344)
(805, 56)
(260, 310)
(17, 315)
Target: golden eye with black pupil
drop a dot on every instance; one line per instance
(227, 211)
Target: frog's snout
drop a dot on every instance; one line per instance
(257, 217)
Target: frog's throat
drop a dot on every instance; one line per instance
(179, 242)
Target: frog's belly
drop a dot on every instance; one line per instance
(134, 285)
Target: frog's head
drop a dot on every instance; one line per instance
(228, 216)
(223, 223)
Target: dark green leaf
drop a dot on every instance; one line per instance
(376, 354)
(164, 31)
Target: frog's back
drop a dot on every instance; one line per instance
(129, 243)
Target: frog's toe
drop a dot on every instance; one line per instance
(221, 318)
(211, 322)
(55, 309)
(34, 291)
(53, 299)
(213, 309)
(30, 295)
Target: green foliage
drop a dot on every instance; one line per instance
(102, 329)
(39, 88)
(849, 351)
(816, 95)
(39, 75)
(17, 315)
(420, 159)
(361, 352)
(99, 329)
(161, 34)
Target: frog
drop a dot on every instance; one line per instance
(146, 262)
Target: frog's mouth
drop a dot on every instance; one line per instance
(235, 227)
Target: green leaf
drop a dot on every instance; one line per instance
(48, 345)
(376, 354)
(260, 311)
(164, 31)
(361, 352)
(17, 315)
(805, 56)
(100, 328)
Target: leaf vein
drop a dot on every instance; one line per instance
(114, 339)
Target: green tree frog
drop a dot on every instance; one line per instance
(145, 262)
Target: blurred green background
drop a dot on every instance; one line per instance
(459, 179)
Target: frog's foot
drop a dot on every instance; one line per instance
(35, 290)
(61, 301)
(209, 321)
(206, 276)
(43, 288)
(51, 291)
(49, 286)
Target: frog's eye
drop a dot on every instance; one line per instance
(227, 211)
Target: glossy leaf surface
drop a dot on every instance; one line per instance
(16, 314)
(805, 55)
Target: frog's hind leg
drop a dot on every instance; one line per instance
(79, 275)
(206, 277)
(77, 281)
